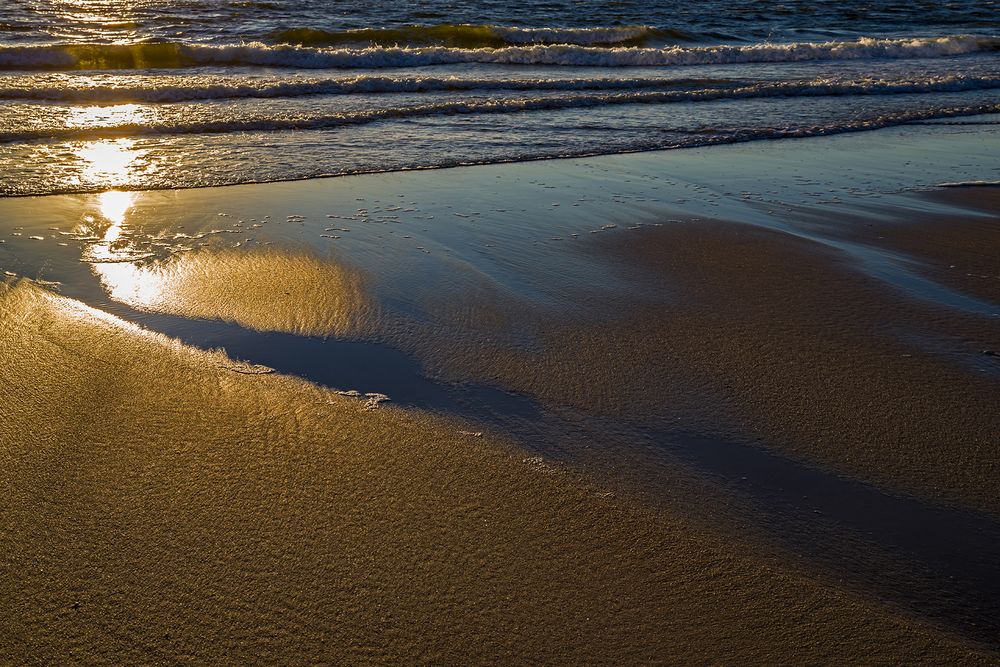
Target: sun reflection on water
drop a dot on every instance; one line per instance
(108, 115)
(115, 258)
(110, 161)
(114, 205)
(97, 20)
(132, 284)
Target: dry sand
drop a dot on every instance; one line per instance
(162, 508)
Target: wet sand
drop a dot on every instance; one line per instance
(622, 430)
(957, 249)
(736, 331)
(306, 295)
(166, 507)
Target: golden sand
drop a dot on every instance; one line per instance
(161, 508)
(263, 289)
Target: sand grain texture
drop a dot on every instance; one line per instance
(161, 508)
(262, 289)
(745, 333)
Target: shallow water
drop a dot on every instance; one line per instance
(160, 95)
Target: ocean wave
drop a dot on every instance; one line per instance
(176, 55)
(216, 89)
(473, 36)
(491, 106)
(969, 184)
(683, 88)
(691, 138)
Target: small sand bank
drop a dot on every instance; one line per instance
(262, 289)
(162, 507)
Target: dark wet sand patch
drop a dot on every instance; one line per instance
(740, 332)
(959, 248)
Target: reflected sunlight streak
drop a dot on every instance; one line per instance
(108, 161)
(132, 284)
(105, 115)
(114, 205)
(125, 280)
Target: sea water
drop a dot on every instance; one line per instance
(99, 94)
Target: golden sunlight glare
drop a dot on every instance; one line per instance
(107, 160)
(114, 205)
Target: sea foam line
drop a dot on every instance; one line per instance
(493, 106)
(685, 88)
(157, 92)
(174, 55)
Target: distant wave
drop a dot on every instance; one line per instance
(970, 184)
(680, 89)
(175, 55)
(497, 106)
(472, 36)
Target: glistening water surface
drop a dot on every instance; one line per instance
(153, 94)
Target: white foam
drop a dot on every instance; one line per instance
(517, 105)
(216, 89)
(969, 184)
(383, 84)
(258, 54)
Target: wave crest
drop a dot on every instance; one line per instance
(505, 106)
(175, 55)
(676, 89)
(473, 36)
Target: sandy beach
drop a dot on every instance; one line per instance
(763, 336)
(624, 410)
(201, 514)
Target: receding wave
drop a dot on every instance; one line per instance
(218, 89)
(472, 36)
(175, 55)
(493, 106)
(679, 138)
(683, 89)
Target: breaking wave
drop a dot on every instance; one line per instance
(495, 106)
(333, 86)
(678, 89)
(471, 36)
(176, 55)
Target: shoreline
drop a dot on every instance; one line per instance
(622, 307)
(940, 121)
(76, 280)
